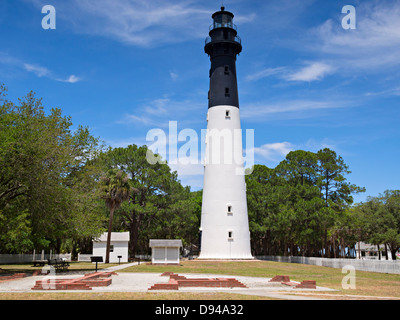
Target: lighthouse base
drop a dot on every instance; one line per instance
(224, 259)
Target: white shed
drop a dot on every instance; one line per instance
(165, 251)
(118, 246)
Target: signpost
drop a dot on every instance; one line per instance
(96, 259)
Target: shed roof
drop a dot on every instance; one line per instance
(115, 237)
(165, 243)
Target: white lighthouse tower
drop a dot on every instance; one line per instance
(224, 220)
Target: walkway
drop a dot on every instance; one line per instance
(141, 282)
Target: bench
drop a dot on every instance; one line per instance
(39, 263)
(58, 264)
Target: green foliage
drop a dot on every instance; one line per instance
(160, 207)
(114, 190)
(297, 208)
(45, 175)
(59, 188)
(379, 220)
(15, 231)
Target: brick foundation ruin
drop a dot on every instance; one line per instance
(95, 279)
(176, 281)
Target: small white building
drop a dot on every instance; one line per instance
(118, 246)
(369, 251)
(165, 251)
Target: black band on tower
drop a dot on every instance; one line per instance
(222, 46)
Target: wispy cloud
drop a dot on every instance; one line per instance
(38, 70)
(312, 72)
(173, 75)
(138, 22)
(274, 151)
(373, 45)
(71, 79)
(41, 71)
(290, 109)
(158, 112)
(266, 73)
(389, 92)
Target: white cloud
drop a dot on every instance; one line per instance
(72, 79)
(274, 151)
(374, 43)
(314, 71)
(138, 22)
(157, 106)
(41, 71)
(159, 112)
(265, 73)
(38, 70)
(290, 109)
(311, 72)
(393, 91)
(145, 120)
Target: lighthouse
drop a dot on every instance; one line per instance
(224, 229)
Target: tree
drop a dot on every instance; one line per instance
(303, 201)
(380, 218)
(45, 176)
(115, 189)
(263, 205)
(335, 190)
(300, 206)
(160, 205)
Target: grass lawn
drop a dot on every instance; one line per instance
(367, 283)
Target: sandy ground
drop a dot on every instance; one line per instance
(141, 282)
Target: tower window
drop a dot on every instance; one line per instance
(230, 209)
(227, 113)
(230, 235)
(227, 92)
(226, 69)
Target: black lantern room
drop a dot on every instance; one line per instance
(222, 46)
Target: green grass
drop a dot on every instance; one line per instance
(367, 283)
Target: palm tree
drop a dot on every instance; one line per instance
(115, 189)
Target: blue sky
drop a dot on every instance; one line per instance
(124, 67)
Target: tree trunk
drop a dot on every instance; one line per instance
(109, 236)
(134, 233)
(393, 252)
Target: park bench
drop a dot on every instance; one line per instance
(39, 263)
(59, 264)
